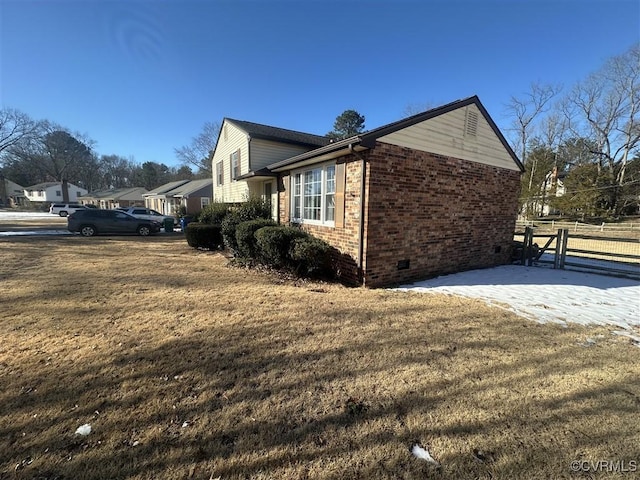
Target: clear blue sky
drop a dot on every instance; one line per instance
(141, 77)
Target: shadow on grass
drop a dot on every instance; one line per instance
(293, 382)
(257, 405)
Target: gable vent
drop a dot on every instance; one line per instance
(471, 123)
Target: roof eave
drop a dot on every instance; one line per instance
(262, 174)
(328, 152)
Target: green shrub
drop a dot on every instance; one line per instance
(214, 213)
(311, 256)
(273, 244)
(245, 238)
(252, 209)
(203, 235)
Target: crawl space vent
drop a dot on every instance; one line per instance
(471, 123)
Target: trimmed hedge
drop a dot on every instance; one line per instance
(252, 209)
(274, 243)
(311, 256)
(213, 213)
(245, 238)
(203, 235)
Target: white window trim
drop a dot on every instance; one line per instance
(235, 165)
(323, 195)
(220, 173)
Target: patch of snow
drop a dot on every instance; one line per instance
(422, 454)
(16, 215)
(35, 232)
(84, 430)
(546, 295)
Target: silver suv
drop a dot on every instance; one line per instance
(146, 213)
(64, 209)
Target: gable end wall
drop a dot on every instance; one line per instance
(442, 214)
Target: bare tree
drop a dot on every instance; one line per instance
(525, 111)
(527, 120)
(15, 127)
(606, 108)
(199, 152)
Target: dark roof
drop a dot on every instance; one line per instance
(191, 187)
(266, 132)
(42, 186)
(167, 187)
(368, 139)
(117, 193)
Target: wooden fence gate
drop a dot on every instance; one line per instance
(623, 261)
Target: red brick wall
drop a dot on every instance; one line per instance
(442, 214)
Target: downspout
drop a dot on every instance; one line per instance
(278, 199)
(362, 210)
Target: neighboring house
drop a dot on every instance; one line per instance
(243, 151)
(432, 194)
(553, 187)
(11, 194)
(160, 199)
(52, 192)
(192, 196)
(115, 197)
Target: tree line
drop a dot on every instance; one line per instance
(580, 146)
(33, 151)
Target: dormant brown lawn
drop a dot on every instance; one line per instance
(186, 368)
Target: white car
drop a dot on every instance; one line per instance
(146, 214)
(64, 209)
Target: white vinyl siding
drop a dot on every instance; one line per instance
(456, 134)
(231, 191)
(266, 152)
(313, 195)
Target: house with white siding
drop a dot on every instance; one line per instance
(11, 194)
(52, 192)
(242, 153)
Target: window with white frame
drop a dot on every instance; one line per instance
(235, 164)
(219, 177)
(204, 201)
(313, 195)
(58, 193)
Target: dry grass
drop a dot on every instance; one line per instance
(186, 368)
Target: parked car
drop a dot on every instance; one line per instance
(93, 221)
(64, 209)
(146, 213)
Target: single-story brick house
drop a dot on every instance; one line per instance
(431, 194)
(191, 195)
